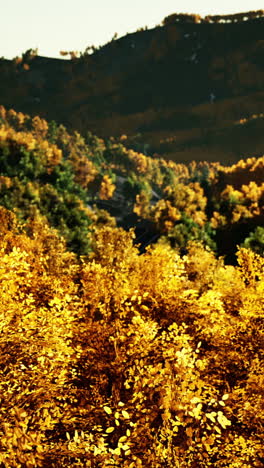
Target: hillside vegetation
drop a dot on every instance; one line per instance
(78, 182)
(191, 88)
(116, 354)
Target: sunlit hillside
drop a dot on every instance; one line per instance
(180, 90)
(77, 181)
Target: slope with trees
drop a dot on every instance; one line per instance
(142, 84)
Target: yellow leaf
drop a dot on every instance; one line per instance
(195, 400)
(210, 416)
(223, 421)
(109, 430)
(217, 429)
(125, 447)
(125, 414)
(197, 411)
(107, 409)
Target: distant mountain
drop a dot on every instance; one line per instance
(192, 88)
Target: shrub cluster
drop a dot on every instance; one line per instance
(127, 360)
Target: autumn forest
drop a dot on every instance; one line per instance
(132, 300)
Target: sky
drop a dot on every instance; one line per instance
(54, 25)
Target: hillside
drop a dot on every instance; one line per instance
(190, 89)
(78, 183)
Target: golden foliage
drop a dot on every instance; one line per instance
(48, 153)
(125, 359)
(107, 188)
(128, 360)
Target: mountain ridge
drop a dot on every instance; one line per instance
(176, 83)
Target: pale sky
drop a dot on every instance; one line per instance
(54, 25)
